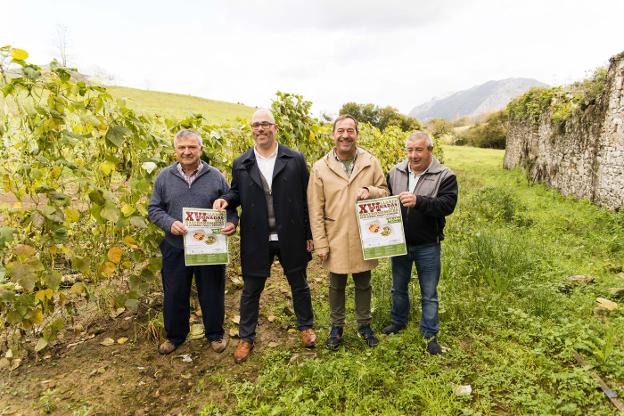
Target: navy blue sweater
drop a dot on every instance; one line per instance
(172, 193)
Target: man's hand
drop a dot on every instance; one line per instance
(323, 254)
(362, 193)
(310, 246)
(407, 199)
(177, 228)
(220, 203)
(230, 227)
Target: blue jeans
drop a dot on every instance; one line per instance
(427, 259)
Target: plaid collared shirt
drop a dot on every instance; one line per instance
(190, 178)
(347, 164)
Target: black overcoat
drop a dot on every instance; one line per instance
(290, 182)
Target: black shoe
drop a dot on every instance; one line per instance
(367, 333)
(433, 347)
(335, 338)
(392, 329)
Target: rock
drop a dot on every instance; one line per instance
(617, 292)
(463, 390)
(580, 279)
(606, 304)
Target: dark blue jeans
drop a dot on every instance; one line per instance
(250, 299)
(427, 259)
(177, 280)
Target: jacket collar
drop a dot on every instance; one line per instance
(362, 161)
(249, 163)
(434, 167)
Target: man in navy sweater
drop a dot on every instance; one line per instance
(189, 183)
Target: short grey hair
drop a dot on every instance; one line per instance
(187, 133)
(264, 111)
(417, 135)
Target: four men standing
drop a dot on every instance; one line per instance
(271, 184)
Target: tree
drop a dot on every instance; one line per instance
(62, 44)
(380, 117)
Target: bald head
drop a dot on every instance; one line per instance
(263, 114)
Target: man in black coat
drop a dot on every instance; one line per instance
(269, 182)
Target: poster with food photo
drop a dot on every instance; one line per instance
(381, 227)
(203, 243)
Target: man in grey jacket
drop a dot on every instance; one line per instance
(428, 192)
(189, 183)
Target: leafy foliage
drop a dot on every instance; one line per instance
(380, 117)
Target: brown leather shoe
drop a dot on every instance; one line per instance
(243, 349)
(308, 337)
(167, 347)
(219, 345)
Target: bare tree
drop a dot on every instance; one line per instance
(62, 44)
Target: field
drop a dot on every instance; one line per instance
(511, 319)
(180, 105)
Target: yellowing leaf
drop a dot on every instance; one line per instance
(114, 254)
(129, 240)
(108, 269)
(37, 316)
(24, 250)
(107, 167)
(19, 54)
(44, 294)
(41, 344)
(127, 210)
(122, 340)
(71, 215)
(107, 342)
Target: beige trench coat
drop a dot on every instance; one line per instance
(331, 204)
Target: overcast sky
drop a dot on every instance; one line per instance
(388, 52)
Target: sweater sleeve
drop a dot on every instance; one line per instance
(157, 208)
(232, 196)
(444, 203)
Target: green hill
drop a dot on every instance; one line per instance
(180, 105)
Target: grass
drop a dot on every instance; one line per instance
(180, 105)
(510, 322)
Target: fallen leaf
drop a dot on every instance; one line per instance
(107, 342)
(122, 340)
(233, 332)
(16, 363)
(4, 363)
(272, 318)
(272, 344)
(117, 312)
(292, 331)
(236, 319)
(186, 376)
(197, 331)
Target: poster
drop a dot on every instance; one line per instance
(381, 227)
(203, 243)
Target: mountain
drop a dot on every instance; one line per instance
(484, 98)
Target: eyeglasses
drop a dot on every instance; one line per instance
(264, 125)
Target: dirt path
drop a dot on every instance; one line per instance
(132, 378)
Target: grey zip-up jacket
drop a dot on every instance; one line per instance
(172, 193)
(436, 197)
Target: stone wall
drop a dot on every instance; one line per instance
(583, 157)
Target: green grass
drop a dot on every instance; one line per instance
(510, 322)
(180, 105)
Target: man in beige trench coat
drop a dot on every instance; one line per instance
(346, 174)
